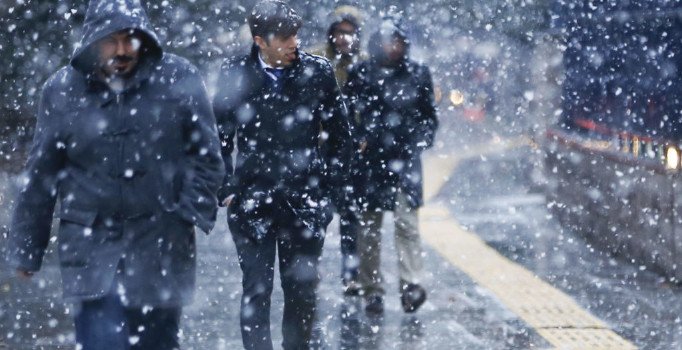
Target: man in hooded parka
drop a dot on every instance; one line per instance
(394, 97)
(126, 144)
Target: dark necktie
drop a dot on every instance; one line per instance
(276, 84)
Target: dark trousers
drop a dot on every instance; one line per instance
(106, 323)
(299, 252)
(349, 227)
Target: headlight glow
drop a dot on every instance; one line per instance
(456, 97)
(672, 158)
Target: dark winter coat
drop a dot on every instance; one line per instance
(293, 145)
(397, 119)
(341, 63)
(133, 173)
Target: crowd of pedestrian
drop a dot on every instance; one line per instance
(134, 154)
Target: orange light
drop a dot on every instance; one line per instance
(437, 94)
(635, 146)
(456, 97)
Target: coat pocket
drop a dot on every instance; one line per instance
(75, 236)
(85, 221)
(313, 214)
(78, 216)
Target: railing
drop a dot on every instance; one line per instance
(659, 154)
(619, 190)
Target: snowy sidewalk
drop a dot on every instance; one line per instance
(457, 315)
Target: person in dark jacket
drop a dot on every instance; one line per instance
(343, 52)
(286, 111)
(394, 97)
(342, 48)
(126, 143)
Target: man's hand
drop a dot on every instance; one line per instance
(23, 274)
(228, 200)
(363, 146)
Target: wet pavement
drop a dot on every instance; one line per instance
(506, 207)
(499, 196)
(457, 315)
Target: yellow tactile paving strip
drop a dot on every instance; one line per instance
(553, 314)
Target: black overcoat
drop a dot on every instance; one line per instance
(293, 142)
(397, 118)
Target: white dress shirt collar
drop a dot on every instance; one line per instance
(265, 65)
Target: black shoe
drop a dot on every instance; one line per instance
(375, 304)
(413, 296)
(351, 289)
(349, 275)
